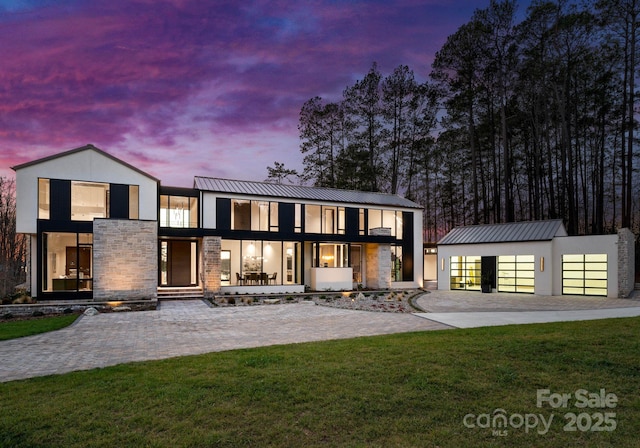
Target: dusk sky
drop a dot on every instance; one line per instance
(181, 88)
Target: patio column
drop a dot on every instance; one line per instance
(211, 248)
(378, 270)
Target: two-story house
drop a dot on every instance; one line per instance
(102, 229)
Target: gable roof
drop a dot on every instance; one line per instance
(505, 233)
(251, 188)
(88, 147)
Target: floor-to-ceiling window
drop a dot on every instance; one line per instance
(67, 260)
(396, 263)
(178, 211)
(258, 262)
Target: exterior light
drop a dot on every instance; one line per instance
(442, 264)
(541, 264)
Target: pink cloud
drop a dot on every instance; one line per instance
(185, 86)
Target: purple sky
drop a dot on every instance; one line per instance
(182, 88)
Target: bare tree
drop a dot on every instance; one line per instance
(12, 245)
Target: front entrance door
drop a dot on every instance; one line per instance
(178, 263)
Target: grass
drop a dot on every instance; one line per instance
(401, 390)
(20, 328)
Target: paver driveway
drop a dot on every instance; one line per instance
(189, 328)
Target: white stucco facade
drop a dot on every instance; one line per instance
(547, 254)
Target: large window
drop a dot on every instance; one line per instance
(330, 255)
(178, 211)
(516, 273)
(386, 218)
(264, 216)
(584, 274)
(254, 215)
(324, 219)
(257, 262)
(67, 261)
(312, 219)
(466, 272)
(89, 200)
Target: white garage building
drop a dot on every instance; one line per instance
(536, 257)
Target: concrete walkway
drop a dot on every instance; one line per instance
(469, 309)
(189, 328)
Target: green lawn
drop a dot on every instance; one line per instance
(19, 328)
(402, 390)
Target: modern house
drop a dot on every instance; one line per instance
(538, 258)
(102, 229)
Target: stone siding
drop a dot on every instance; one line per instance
(626, 262)
(211, 248)
(378, 271)
(125, 260)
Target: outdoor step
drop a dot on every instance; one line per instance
(180, 293)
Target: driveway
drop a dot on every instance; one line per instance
(469, 309)
(192, 327)
(189, 327)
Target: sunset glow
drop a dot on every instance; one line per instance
(182, 88)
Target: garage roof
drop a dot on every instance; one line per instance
(505, 233)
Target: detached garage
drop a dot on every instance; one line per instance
(538, 258)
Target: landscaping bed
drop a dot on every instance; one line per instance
(401, 301)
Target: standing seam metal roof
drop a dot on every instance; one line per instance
(505, 233)
(300, 192)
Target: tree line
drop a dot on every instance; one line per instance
(518, 120)
(13, 246)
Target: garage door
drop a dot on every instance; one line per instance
(584, 274)
(516, 273)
